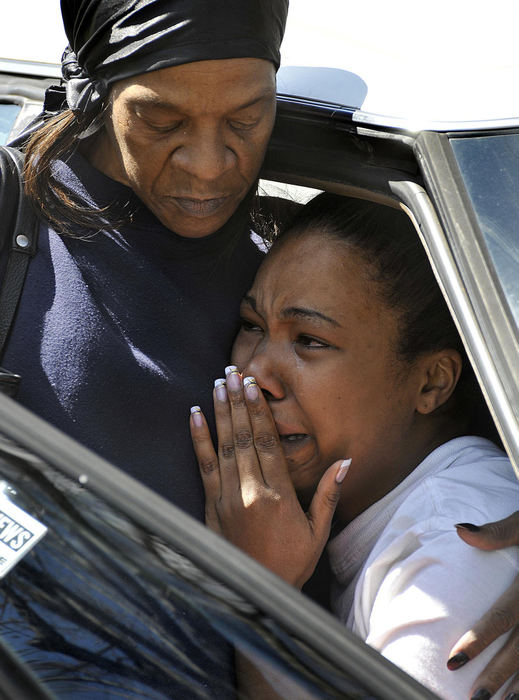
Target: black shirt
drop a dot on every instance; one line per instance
(117, 336)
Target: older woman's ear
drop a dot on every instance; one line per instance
(442, 370)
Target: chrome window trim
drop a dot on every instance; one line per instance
(472, 330)
(358, 117)
(32, 68)
(415, 126)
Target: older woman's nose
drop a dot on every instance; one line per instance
(206, 157)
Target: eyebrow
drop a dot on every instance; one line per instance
(296, 312)
(151, 100)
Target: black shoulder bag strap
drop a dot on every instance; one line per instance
(19, 227)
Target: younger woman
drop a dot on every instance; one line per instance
(350, 357)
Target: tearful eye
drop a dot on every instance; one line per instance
(249, 326)
(308, 341)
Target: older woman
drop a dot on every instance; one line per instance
(144, 180)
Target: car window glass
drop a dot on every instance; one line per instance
(100, 607)
(490, 170)
(8, 114)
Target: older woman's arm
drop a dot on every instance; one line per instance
(502, 617)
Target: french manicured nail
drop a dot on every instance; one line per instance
(512, 696)
(342, 470)
(468, 526)
(250, 387)
(233, 378)
(196, 412)
(481, 694)
(457, 661)
(220, 390)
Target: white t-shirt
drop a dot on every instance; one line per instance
(407, 584)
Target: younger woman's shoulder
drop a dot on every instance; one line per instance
(470, 478)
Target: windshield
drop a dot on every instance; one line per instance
(490, 170)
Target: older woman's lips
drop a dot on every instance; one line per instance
(199, 207)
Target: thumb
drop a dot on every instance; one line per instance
(325, 499)
(495, 535)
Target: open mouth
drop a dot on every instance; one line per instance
(199, 207)
(294, 437)
(292, 442)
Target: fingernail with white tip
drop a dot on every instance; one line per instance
(342, 470)
(232, 375)
(251, 388)
(220, 390)
(196, 412)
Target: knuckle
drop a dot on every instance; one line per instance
(501, 620)
(208, 465)
(332, 498)
(503, 532)
(237, 400)
(510, 528)
(494, 679)
(499, 530)
(265, 441)
(250, 499)
(257, 498)
(257, 410)
(227, 450)
(274, 498)
(243, 439)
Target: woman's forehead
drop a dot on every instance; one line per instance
(237, 83)
(315, 268)
(307, 249)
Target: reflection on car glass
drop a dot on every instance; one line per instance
(490, 169)
(8, 114)
(103, 608)
(185, 568)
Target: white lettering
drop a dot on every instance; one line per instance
(12, 533)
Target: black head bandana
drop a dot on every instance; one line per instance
(110, 40)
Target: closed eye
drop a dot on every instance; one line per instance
(164, 128)
(242, 126)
